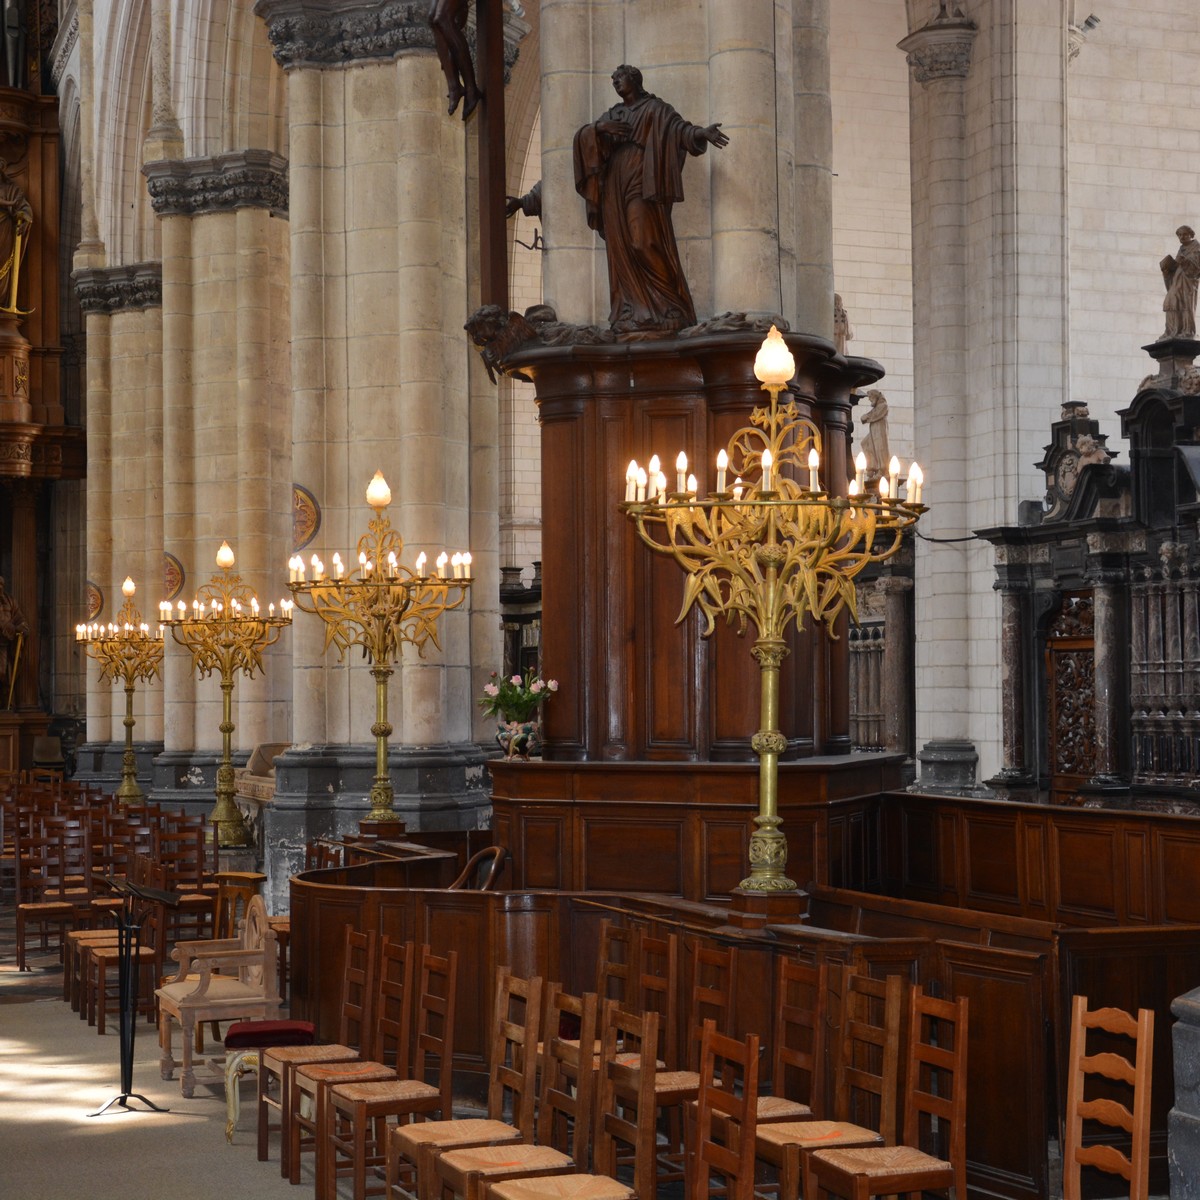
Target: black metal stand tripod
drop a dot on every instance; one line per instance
(137, 902)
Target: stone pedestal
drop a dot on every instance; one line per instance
(14, 371)
(948, 769)
(1183, 1121)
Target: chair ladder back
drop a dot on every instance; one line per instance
(358, 990)
(801, 1030)
(729, 1093)
(437, 996)
(393, 1008)
(935, 1107)
(566, 1106)
(513, 1057)
(1083, 1104)
(629, 1071)
(869, 1057)
(658, 989)
(616, 965)
(712, 987)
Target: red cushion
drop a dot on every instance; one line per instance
(250, 1035)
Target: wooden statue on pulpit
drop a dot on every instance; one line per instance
(448, 19)
(16, 220)
(629, 170)
(13, 631)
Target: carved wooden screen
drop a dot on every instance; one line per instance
(1071, 682)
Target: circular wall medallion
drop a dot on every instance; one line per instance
(93, 599)
(306, 517)
(174, 577)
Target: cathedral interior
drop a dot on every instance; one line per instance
(733, 466)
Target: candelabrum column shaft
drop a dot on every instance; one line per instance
(768, 846)
(129, 792)
(382, 792)
(231, 827)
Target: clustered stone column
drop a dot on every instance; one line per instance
(122, 307)
(226, 424)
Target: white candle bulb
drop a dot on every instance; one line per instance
(128, 587)
(860, 468)
(774, 364)
(642, 479)
(442, 560)
(421, 560)
(362, 563)
(916, 483)
(456, 565)
(379, 495)
(661, 487)
(681, 472)
(631, 476)
(654, 466)
(225, 558)
(271, 610)
(737, 489)
(814, 466)
(338, 568)
(467, 564)
(893, 478)
(722, 467)
(853, 488)
(391, 564)
(884, 491)
(767, 462)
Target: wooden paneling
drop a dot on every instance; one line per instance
(544, 859)
(619, 854)
(1178, 858)
(1009, 1057)
(993, 862)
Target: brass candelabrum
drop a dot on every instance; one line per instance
(127, 649)
(226, 631)
(386, 606)
(768, 552)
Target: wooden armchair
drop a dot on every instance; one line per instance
(249, 990)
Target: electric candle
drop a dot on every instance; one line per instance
(916, 482)
(631, 477)
(722, 467)
(814, 464)
(893, 478)
(466, 564)
(767, 462)
(421, 560)
(442, 560)
(681, 472)
(860, 469)
(737, 489)
(642, 480)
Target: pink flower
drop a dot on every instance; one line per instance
(536, 686)
(491, 689)
(553, 685)
(515, 681)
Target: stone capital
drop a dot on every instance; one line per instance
(942, 50)
(240, 179)
(328, 34)
(119, 289)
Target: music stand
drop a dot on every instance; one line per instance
(137, 902)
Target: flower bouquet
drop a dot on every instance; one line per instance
(515, 701)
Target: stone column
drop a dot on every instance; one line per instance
(165, 138)
(123, 310)
(90, 252)
(1111, 643)
(227, 429)
(380, 382)
(813, 178)
(939, 57)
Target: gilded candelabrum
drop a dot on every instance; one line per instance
(767, 549)
(127, 649)
(226, 631)
(383, 607)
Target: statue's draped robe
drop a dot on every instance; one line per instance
(629, 187)
(1180, 301)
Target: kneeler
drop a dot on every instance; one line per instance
(244, 1042)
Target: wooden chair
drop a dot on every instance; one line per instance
(46, 900)
(513, 1061)
(482, 871)
(723, 1130)
(657, 989)
(868, 1068)
(277, 1063)
(934, 1152)
(248, 992)
(565, 1113)
(357, 1113)
(101, 972)
(1101, 1106)
(798, 1052)
(616, 963)
(625, 1116)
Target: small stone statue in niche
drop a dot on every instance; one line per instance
(875, 440)
(629, 170)
(448, 19)
(843, 332)
(1181, 274)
